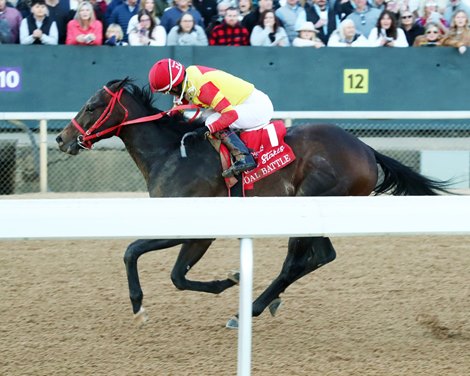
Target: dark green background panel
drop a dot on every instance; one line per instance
(61, 78)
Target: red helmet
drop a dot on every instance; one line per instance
(166, 74)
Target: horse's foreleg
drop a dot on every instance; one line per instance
(190, 253)
(304, 256)
(132, 254)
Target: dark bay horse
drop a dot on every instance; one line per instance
(330, 162)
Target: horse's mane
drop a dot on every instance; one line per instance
(144, 96)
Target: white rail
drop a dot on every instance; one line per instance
(189, 218)
(295, 216)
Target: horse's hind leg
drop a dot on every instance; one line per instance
(189, 255)
(132, 254)
(304, 256)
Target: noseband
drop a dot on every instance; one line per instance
(85, 138)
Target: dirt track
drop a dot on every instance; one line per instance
(386, 306)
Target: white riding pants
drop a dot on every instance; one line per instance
(257, 110)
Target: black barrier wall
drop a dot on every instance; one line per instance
(62, 78)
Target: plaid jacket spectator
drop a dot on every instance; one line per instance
(225, 35)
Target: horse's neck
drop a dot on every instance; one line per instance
(156, 152)
(147, 147)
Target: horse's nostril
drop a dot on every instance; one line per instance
(59, 140)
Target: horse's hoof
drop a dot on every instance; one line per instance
(141, 317)
(232, 323)
(234, 276)
(274, 306)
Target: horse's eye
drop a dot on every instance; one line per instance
(89, 108)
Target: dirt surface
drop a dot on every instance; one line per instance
(385, 306)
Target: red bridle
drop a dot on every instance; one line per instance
(85, 138)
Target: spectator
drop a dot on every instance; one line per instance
(452, 7)
(59, 11)
(386, 33)
(431, 38)
(269, 31)
(411, 29)
(207, 8)
(98, 8)
(85, 29)
(147, 33)
(38, 28)
(230, 32)
(114, 36)
(307, 36)
(347, 36)
(393, 6)
(364, 17)
(144, 4)
(245, 7)
(186, 33)
(160, 6)
(323, 17)
(219, 18)
(172, 15)
(111, 6)
(252, 18)
(344, 8)
(122, 14)
(10, 20)
(379, 4)
(24, 7)
(418, 6)
(291, 15)
(431, 14)
(459, 32)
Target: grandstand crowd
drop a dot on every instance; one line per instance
(273, 23)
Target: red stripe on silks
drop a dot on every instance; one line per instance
(224, 121)
(204, 69)
(208, 91)
(222, 105)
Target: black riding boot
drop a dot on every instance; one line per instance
(243, 159)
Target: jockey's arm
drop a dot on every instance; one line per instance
(212, 97)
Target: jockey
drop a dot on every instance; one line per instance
(232, 104)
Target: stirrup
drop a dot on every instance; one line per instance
(235, 169)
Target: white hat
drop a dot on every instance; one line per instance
(307, 26)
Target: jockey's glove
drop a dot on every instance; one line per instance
(174, 112)
(201, 132)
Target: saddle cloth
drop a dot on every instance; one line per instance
(269, 150)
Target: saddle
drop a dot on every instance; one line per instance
(267, 147)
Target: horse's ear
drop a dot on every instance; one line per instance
(123, 82)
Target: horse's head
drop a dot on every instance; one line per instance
(101, 117)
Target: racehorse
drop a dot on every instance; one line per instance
(329, 162)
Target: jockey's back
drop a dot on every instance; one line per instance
(210, 82)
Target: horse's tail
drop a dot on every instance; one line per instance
(400, 180)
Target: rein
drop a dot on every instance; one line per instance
(86, 136)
